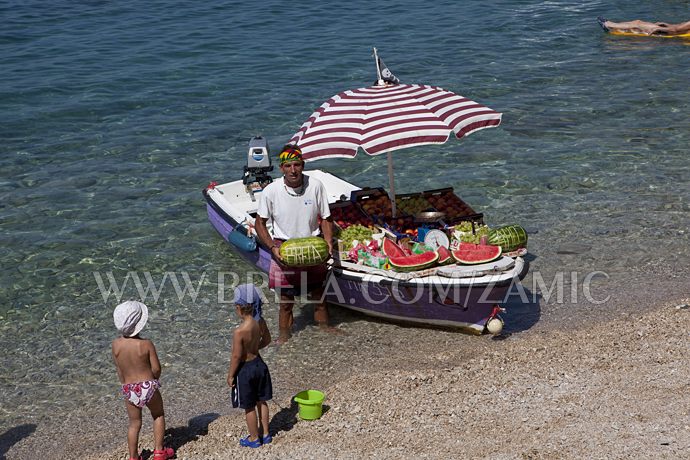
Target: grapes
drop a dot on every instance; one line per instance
(355, 232)
(463, 232)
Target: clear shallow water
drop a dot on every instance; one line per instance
(113, 118)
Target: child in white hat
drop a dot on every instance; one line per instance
(139, 370)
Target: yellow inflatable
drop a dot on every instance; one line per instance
(633, 34)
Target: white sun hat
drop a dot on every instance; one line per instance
(130, 317)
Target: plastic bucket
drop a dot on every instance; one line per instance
(310, 404)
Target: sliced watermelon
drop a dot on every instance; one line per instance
(391, 249)
(414, 262)
(444, 256)
(470, 253)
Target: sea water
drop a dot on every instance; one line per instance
(115, 115)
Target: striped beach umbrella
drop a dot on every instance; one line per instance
(381, 119)
(387, 117)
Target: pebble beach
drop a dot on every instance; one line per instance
(617, 390)
(614, 388)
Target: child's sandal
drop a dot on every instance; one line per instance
(164, 454)
(245, 442)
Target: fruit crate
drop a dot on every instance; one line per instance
(401, 226)
(346, 213)
(477, 219)
(412, 203)
(449, 203)
(374, 202)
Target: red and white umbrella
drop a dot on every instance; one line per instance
(381, 119)
(387, 117)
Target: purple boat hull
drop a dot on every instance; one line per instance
(439, 304)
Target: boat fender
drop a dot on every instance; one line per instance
(240, 240)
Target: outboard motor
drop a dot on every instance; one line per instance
(256, 176)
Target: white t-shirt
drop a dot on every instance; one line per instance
(294, 215)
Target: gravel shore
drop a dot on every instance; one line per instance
(616, 389)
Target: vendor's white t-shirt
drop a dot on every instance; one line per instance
(294, 215)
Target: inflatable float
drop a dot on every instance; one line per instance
(634, 34)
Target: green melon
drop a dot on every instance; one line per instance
(509, 238)
(304, 252)
(413, 262)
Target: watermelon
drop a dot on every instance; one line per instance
(444, 256)
(509, 238)
(470, 253)
(391, 249)
(304, 252)
(414, 262)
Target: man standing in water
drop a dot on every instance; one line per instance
(294, 204)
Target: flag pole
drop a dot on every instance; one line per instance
(391, 183)
(389, 155)
(379, 80)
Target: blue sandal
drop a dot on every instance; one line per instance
(245, 442)
(266, 439)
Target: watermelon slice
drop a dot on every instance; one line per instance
(391, 249)
(414, 262)
(444, 256)
(471, 254)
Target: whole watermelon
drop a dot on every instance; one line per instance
(304, 252)
(509, 238)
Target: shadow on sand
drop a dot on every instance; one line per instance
(286, 418)
(13, 436)
(179, 436)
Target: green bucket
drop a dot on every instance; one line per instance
(310, 402)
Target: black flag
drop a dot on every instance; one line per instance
(387, 75)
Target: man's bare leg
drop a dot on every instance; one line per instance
(321, 316)
(320, 308)
(285, 318)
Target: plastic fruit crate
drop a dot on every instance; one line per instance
(374, 202)
(475, 218)
(449, 203)
(346, 213)
(412, 203)
(401, 226)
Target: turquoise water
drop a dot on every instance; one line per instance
(114, 116)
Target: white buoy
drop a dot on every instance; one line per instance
(494, 325)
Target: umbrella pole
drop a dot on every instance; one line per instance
(391, 183)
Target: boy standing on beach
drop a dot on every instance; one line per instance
(248, 375)
(139, 370)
